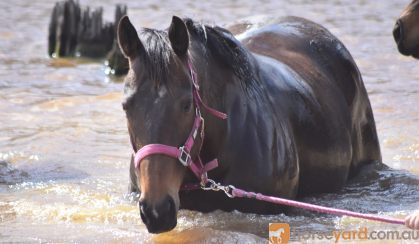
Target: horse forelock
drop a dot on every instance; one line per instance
(158, 55)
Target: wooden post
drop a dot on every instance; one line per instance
(116, 61)
(81, 32)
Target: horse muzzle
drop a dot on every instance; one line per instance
(159, 217)
(398, 34)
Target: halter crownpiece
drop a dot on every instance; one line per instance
(183, 153)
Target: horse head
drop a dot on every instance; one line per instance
(161, 103)
(406, 30)
(159, 109)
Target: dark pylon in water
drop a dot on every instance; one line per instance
(116, 61)
(63, 29)
(74, 31)
(94, 38)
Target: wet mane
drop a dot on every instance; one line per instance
(227, 50)
(414, 5)
(216, 41)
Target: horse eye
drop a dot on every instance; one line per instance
(186, 106)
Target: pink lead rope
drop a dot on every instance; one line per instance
(312, 207)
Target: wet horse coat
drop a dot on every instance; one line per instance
(300, 120)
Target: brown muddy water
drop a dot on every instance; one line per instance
(64, 147)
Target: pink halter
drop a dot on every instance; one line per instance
(183, 153)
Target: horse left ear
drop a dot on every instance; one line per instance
(178, 36)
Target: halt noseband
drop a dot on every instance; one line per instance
(183, 153)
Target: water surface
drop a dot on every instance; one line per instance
(64, 147)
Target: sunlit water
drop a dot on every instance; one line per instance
(64, 147)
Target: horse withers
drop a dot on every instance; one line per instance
(406, 30)
(299, 118)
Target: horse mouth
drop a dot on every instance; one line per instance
(402, 50)
(398, 38)
(159, 218)
(164, 227)
(398, 34)
(416, 54)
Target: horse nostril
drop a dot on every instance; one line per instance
(142, 205)
(143, 212)
(171, 207)
(398, 31)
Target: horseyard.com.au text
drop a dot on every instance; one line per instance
(280, 233)
(360, 235)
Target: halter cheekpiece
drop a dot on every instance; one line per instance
(183, 153)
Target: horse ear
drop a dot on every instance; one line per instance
(128, 39)
(178, 36)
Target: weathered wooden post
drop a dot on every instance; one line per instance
(116, 62)
(63, 29)
(77, 32)
(94, 39)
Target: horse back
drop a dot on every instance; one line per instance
(333, 123)
(306, 47)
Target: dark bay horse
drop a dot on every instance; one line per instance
(406, 30)
(299, 118)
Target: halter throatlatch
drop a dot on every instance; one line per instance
(183, 153)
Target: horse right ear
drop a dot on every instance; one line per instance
(128, 39)
(178, 36)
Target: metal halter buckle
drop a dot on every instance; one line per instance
(184, 157)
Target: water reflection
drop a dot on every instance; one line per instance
(64, 148)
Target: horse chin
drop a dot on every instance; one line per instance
(407, 49)
(415, 53)
(403, 50)
(160, 224)
(168, 227)
(159, 216)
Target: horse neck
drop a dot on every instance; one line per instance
(213, 93)
(217, 88)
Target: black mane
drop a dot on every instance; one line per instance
(227, 50)
(221, 43)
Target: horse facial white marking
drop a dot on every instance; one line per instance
(162, 92)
